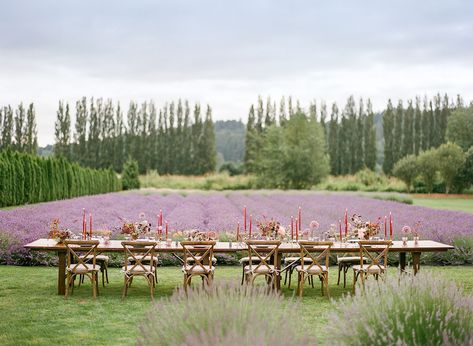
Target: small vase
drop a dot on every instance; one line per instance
(404, 241)
(416, 240)
(134, 236)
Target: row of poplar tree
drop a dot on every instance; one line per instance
(349, 137)
(175, 139)
(350, 133)
(18, 129)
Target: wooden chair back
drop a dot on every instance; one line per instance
(263, 251)
(380, 247)
(139, 252)
(200, 253)
(309, 248)
(79, 252)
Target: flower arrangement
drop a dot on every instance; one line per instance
(271, 229)
(135, 229)
(56, 233)
(331, 232)
(194, 235)
(363, 229)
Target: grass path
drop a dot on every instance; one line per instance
(31, 312)
(459, 204)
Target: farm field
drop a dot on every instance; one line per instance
(33, 314)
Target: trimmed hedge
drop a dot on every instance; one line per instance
(25, 178)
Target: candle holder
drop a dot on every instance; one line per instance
(416, 240)
(404, 241)
(168, 242)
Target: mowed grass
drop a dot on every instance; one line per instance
(32, 313)
(459, 204)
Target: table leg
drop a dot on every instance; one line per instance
(402, 261)
(416, 262)
(61, 277)
(278, 266)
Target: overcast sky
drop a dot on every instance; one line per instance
(226, 53)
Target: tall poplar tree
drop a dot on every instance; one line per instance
(417, 127)
(408, 131)
(250, 142)
(388, 127)
(208, 144)
(31, 132)
(282, 111)
(370, 138)
(397, 136)
(333, 141)
(20, 120)
(7, 129)
(62, 131)
(360, 134)
(119, 139)
(80, 134)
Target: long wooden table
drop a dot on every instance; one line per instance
(51, 245)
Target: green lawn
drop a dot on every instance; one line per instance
(461, 204)
(32, 313)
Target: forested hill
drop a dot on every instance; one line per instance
(230, 139)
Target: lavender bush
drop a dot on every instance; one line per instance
(411, 310)
(225, 314)
(216, 211)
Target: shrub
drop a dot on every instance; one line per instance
(460, 127)
(225, 314)
(450, 160)
(410, 310)
(428, 166)
(407, 170)
(130, 179)
(464, 179)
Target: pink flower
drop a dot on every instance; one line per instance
(406, 230)
(314, 224)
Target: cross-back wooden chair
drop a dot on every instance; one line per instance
(140, 260)
(81, 260)
(377, 253)
(318, 253)
(198, 261)
(344, 262)
(262, 255)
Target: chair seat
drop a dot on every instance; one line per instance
(244, 260)
(315, 269)
(83, 268)
(351, 259)
(190, 259)
(98, 258)
(139, 269)
(262, 269)
(297, 260)
(375, 269)
(189, 269)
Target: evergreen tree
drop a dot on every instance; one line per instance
(186, 135)
(408, 131)
(290, 107)
(431, 122)
(268, 119)
(161, 143)
(397, 136)
(93, 142)
(196, 141)
(323, 117)
(437, 138)
(444, 114)
(208, 144)
(119, 139)
(20, 121)
(151, 143)
(259, 116)
(62, 131)
(388, 125)
(370, 138)
(313, 111)
(350, 137)
(31, 145)
(333, 141)
(417, 128)
(359, 139)
(108, 132)
(178, 143)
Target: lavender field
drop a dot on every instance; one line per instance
(221, 212)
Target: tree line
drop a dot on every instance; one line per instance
(174, 139)
(27, 178)
(18, 128)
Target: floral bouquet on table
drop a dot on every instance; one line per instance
(332, 232)
(135, 229)
(56, 233)
(363, 229)
(195, 235)
(414, 231)
(271, 229)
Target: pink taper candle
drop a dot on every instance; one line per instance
(251, 225)
(90, 226)
(300, 218)
(292, 227)
(390, 225)
(385, 226)
(244, 217)
(167, 230)
(238, 231)
(340, 228)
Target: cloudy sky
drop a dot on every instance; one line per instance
(226, 53)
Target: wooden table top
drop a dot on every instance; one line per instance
(115, 246)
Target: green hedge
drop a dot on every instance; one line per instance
(25, 178)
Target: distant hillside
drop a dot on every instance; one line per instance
(230, 139)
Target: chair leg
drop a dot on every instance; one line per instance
(312, 281)
(242, 273)
(327, 290)
(354, 280)
(103, 276)
(106, 272)
(322, 284)
(97, 282)
(339, 271)
(290, 276)
(125, 287)
(94, 286)
(345, 270)
(68, 283)
(301, 283)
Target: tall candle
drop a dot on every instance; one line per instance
(297, 229)
(167, 230)
(90, 226)
(238, 231)
(390, 225)
(292, 227)
(244, 217)
(340, 228)
(160, 217)
(251, 225)
(84, 224)
(300, 218)
(346, 221)
(385, 226)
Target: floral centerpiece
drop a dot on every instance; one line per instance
(331, 232)
(414, 231)
(363, 229)
(56, 233)
(271, 229)
(135, 229)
